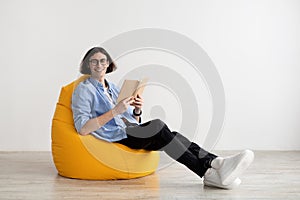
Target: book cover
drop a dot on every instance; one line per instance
(132, 88)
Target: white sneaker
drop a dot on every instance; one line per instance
(212, 179)
(233, 166)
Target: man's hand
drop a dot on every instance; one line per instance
(138, 103)
(122, 106)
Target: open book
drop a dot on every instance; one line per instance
(132, 88)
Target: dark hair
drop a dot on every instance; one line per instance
(84, 65)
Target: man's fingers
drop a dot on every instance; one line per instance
(127, 99)
(138, 103)
(130, 101)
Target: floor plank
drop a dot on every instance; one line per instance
(32, 175)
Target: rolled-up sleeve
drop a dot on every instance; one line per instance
(81, 107)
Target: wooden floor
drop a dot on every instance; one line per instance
(32, 175)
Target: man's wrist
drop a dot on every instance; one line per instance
(114, 112)
(137, 112)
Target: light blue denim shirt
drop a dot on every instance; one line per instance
(90, 101)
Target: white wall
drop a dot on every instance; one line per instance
(255, 46)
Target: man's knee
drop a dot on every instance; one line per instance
(157, 126)
(158, 123)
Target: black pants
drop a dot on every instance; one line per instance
(156, 136)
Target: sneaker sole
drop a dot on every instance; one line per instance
(231, 186)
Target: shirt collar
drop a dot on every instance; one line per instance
(97, 84)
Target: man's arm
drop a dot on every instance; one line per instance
(97, 122)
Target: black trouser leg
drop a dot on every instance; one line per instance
(155, 135)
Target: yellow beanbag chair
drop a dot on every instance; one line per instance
(85, 157)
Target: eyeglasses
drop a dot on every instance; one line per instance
(95, 62)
